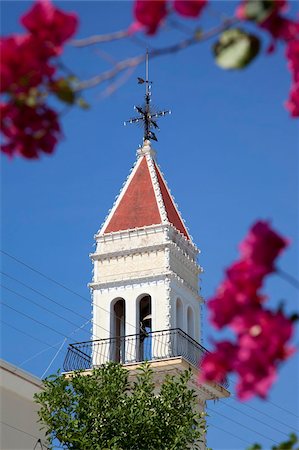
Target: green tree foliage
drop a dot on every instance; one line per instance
(290, 444)
(104, 410)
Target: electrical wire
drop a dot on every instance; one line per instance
(43, 295)
(76, 324)
(19, 429)
(40, 306)
(228, 432)
(251, 417)
(233, 397)
(24, 332)
(244, 426)
(31, 318)
(84, 298)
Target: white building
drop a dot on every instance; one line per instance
(19, 429)
(146, 299)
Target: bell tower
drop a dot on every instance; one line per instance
(145, 280)
(145, 289)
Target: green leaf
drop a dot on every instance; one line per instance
(63, 90)
(255, 447)
(236, 49)
(103, 410)
(82, 103)
(258, 10)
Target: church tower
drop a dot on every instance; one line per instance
(145, 284)
(145, 294)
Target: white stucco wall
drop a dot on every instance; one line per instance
(157, 261)
(19, 429)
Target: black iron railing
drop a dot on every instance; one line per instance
(134, 348)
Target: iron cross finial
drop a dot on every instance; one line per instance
(147, 115)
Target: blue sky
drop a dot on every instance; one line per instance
(229, 153)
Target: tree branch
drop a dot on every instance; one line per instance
(154, 53)
(100, 38)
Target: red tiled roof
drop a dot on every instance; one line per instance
(137, 206)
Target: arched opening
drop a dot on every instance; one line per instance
(118, 331)
(145, 328)
(190, 322)
(179, 314)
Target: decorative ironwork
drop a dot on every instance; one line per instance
(135, 348)
(147, 115)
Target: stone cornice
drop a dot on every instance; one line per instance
(127, 252)
(132, 232)
(143, 279)
(174, 235)
(183, 257)
(130, 282)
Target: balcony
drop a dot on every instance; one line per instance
(135, 348)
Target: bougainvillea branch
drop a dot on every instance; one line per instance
(261, 335)
(28, 124)
(33, 79)
(134, 61)
(101, 38)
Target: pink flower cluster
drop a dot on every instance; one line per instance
(149, 14)
(286, 30)
(292, 54)
(261, 334)
(27, 71)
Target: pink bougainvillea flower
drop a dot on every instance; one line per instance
(230, 302)
(216, 365)
(189, 8)
(265, 332)
(292, 104)
(50, 25)
(261, 344)
(292, 55)
(150, 14)
(281, 28)
(28, 131)
(19, 74)
(255, 380)
(245, 276)
(261, 335)
(262, 245)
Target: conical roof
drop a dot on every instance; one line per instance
(144, 199)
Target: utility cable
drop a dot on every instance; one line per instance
(55, 345)
(40, 306)
(233, 397)
(31, 318)
(43, 295)
(47, 326)
(24, 332)
(84, 298)
(244, 426)
(18, 429)
(228, 432)
(251, 417)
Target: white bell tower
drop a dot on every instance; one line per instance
(145, 268)
(146, 299)
(145, 293)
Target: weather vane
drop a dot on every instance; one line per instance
(147, 115)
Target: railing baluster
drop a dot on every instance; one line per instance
(135, 348)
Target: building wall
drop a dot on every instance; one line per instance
(19, 428)
(144, 261)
